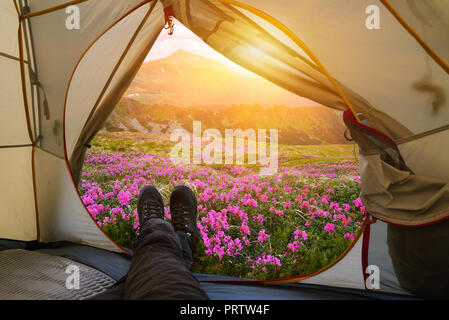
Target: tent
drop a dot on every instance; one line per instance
(58, 84)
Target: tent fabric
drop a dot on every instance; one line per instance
(23, 272)
(62, 214)
(18, 216)
(112, 264)
(55, 66)
(387, 194)
(347, 273)
(10, 24)
(13, 125)
(430, 19)
(85, 91)
(59, 83)
(132, 58)
(419, 153)
(378, 254)
(389, 182)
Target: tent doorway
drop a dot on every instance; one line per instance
(184, 119)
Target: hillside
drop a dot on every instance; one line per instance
(297, 126)
(184, 79)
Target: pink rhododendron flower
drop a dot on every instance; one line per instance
(329, 227)
(124, 197)
(262, 236)
(348, 236)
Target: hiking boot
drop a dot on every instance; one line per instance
(183, 209)
(149, 205)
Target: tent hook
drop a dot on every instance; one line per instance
(346, 135)
(369, 219)
(169, 25)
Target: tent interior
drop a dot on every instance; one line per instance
(59, 85)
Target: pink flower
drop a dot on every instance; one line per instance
(87, 200)
(299, 234)
(324, 200)
(357, 202)
(279, 212)
(95, 209)
(167, 213)
(335, 206)
(329, 227)
(262, 236)
(294, 246)
(244, 229)
(258, 218)
(264, 198)
(348, 236)
(124, 197)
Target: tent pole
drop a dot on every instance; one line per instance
(417, 37)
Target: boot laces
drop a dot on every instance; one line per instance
(151, 209)
(181, 217)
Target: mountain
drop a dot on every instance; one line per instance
(184, 79)
(172, 92)
(301, 125)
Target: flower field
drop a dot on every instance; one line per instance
(259, 227)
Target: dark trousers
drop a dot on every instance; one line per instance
(160, 267)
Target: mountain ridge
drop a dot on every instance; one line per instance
(185, 79)
(297, 126)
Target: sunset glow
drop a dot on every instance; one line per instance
(183, 38)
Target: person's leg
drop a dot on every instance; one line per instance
(160, 268)
(187, 253)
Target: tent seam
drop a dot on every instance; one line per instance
(36, 204)
(25, 102)
(22, 73)
(5, 55)
(16, 146)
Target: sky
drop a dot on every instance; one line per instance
(183, 38)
